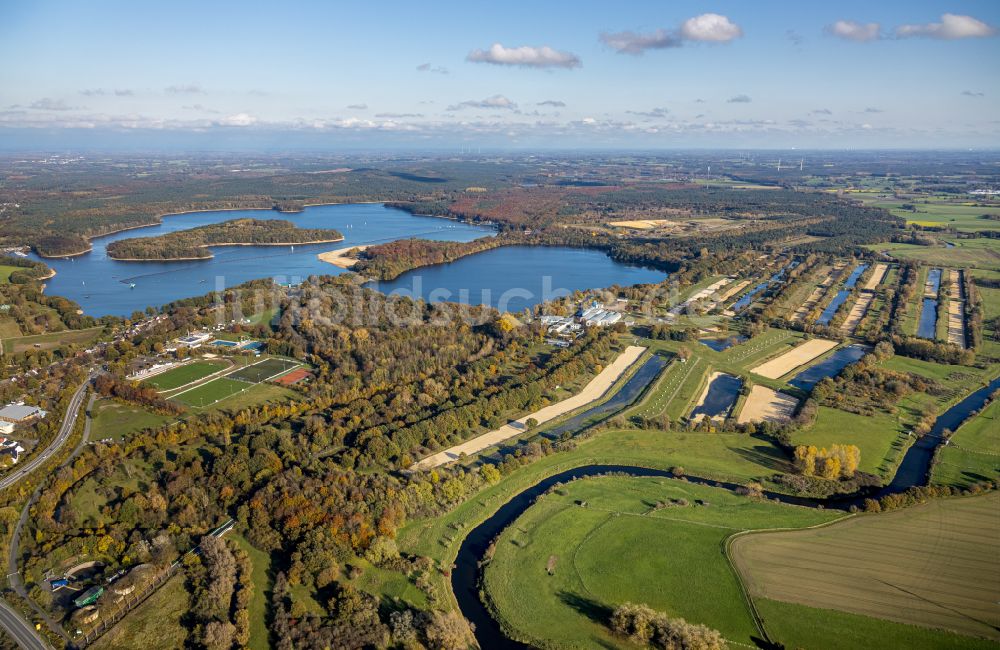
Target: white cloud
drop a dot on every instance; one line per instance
(657, 112)
(973, 93)
(706, 28)
(496, 101)
(739, 99)
(436, 69)
(525, 56)
(851, 30)
(711, 28)
(629, 42)
(239, 119)
(184, 89)
(555, 103)
(357, 107)
(951, 27)
(49, 104)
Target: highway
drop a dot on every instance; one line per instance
(64, 431)
(19, 630)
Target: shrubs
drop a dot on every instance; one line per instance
(645, 626)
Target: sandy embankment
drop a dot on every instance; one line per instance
(956, 311)
(876, 277)
(764, 404)
(340, 258)
(797, 356)
(593, 391)
(858, 312)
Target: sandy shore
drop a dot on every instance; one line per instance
(340, 258)
(797, 356)
(593, 391)
(764, 404)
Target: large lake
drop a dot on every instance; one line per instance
(102, 285)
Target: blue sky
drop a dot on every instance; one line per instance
(330, 75)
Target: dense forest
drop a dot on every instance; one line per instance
(194, 242)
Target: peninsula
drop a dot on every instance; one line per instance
(194, 244)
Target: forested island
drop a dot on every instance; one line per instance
(195, 242)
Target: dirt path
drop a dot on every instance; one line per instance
(593, 391)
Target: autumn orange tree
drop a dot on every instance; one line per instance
(836, 462)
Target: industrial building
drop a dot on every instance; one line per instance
(19, 412)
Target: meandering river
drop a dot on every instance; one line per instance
(102, 286)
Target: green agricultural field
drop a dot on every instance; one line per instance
(974, 253)
(156, 623)
(798, 626)
(973, 454)
(560, 568)
(949, 214)
(935, 565)
(184, 375)
(116, 420)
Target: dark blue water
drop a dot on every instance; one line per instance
(101, 285)
(829, 367)
(928, 319)
(722, 394)
(748, 297)
(723, 344)
(934, 279)
(915, 466)
(831, 309)
(852, 279)
(514, 277)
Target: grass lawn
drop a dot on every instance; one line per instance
(734, 457)
(880, 437)
(183, 375)
(264, 370)
(156, 623)
(974, 452)
(935, 565)
(798, 626)
(619, 548)
(81, 338)
(115, 420)
(262, 583)
(5, 272)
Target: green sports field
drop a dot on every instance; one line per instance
(211, 392)
(183, 375)
(561, 568)
(263, 370)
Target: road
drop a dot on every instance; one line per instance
(19, 630)
(67, 428)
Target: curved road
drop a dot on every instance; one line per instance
(19, 629)
(64, 431)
